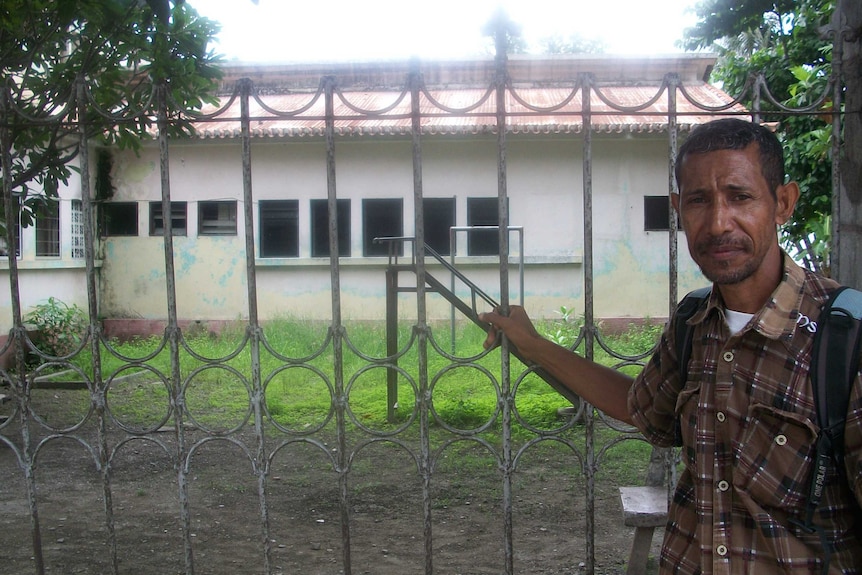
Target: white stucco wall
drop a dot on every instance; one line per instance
(40, 277)
(545, 184)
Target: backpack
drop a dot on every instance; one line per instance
(834, 364)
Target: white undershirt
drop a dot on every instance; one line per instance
(736, 320)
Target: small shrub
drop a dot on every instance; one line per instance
(60, 326)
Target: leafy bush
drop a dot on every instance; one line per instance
(60, 326)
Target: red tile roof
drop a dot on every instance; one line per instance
(372, 104)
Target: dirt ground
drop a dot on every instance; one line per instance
(383, 495)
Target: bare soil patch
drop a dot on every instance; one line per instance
(383, 507)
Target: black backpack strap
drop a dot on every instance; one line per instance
(834, 362)
(682, 338)
(834, 365)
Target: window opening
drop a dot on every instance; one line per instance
(119, 219)
(656, 214)
(77, 230)
(279, 228)
(178, 219)
(48, 229)
(217, 218)
(381, 218)
(483, 212)
(439, 218)
(16, 222)
(320, 227)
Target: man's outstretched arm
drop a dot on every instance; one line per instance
(603, 387)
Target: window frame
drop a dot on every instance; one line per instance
(319, 216)
(179, 213)
(223, 224)
(77, 238)
(48, 235)
(129, 215)
(483, 242)
(657, 214)
(374, 220)
(271, 213)
(437, 235)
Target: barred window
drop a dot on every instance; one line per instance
(77, 231)
(48, 229)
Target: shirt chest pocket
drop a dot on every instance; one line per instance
(774, 458)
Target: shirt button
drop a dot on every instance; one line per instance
(723, 485)
(728, 356)
(780, 439)
(721, 550)
(720, 416)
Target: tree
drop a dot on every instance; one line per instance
(121, 49)
(781, 41)
(572, 44)
(503, 30)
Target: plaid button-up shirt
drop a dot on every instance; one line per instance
(748, 425)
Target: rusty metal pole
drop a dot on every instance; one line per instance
(19, 335)
(589, 319)
(98, 391)
(847, 263)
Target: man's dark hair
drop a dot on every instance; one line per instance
(736, 134)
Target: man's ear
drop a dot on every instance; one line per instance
(786, 197)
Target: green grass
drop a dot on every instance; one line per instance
(298, 394)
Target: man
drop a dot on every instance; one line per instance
(746, 412)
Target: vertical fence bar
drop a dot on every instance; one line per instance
(672, 82)
(172, 331)
(837, 93)
(589, 318)
(424, 398)
(18, 335)
(506, 399)
(337, 341)
(99, 390)
(255, 331)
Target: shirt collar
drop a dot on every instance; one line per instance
(777, 318)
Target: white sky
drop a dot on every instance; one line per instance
(341, 30)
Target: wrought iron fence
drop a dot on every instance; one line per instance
(256, 453)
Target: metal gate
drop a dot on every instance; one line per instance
(256, 458)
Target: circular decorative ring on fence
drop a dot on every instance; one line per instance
(378, 401)
(552, 406)
(138, 399)
(294, 404)
(66, 394)
(212, 399)
(464, 408)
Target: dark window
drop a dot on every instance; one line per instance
(279, 228)
(178, 219)
(320, 227)
(439, 217)
(483, 212)
(656, 214)
(119, 219)
(217, 218)
(48, 229)
(381, 218)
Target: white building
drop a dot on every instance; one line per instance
(375, 185)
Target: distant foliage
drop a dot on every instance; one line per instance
(783, 42)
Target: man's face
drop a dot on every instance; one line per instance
(729, 214)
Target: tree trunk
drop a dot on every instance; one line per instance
(848, 224)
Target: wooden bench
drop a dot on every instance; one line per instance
(645, 508)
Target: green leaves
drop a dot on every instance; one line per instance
(781, 41)
(121, 48)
